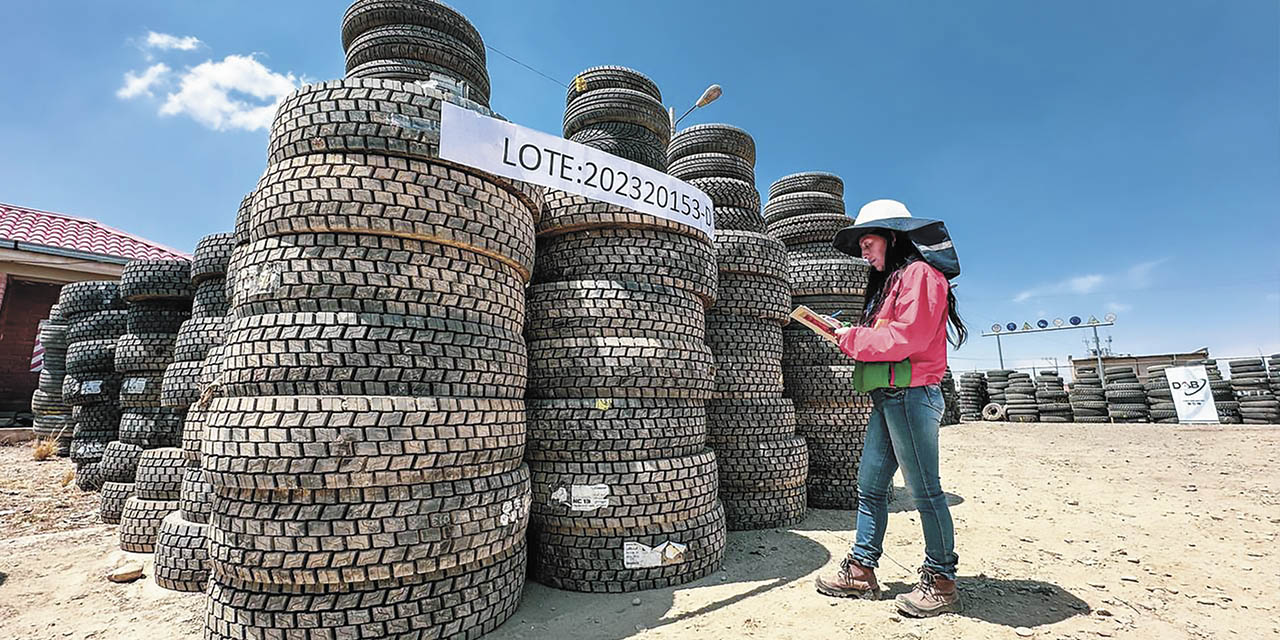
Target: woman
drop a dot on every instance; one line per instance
(901, 351)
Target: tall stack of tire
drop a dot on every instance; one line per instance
(52, 415)
(1126, 397)
(366, 439)
(997, 385)
(415, 41)
(1252, 387)
(1224, 398)
(1160, 407)
(1087, 399)
(1273, 371)
(973, 395)
(624, 488)
(159, 294)
(951, 399)
(181, 550)
(1051, 398)
(750, 426)
(1020, 399)
(96, 318)
(805, 210)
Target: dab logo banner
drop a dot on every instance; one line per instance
(1191, 394)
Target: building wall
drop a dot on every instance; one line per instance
(24, 305)
(1141, 363)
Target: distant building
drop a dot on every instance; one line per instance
(39, 252)
(1141, 363)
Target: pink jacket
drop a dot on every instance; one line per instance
(911, 324)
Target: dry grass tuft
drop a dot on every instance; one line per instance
(43, 449)
(66, 479)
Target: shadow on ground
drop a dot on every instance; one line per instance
(755, 562)
(1012, 603)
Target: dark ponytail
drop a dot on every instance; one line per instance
(900, 253)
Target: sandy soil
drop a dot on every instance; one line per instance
(1063, 531)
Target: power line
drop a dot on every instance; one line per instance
(495, 50)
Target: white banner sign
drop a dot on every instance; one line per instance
(512, 151)
(1191, 394)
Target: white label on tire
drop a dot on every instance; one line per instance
(91, 387)
(640, 556)
(513, 511)
(134, 385)
(512, 151)
(583, 497)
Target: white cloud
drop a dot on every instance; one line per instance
(164, 42)
(137, 84)
(1117, 307)
(1139, 276)
(237, 93)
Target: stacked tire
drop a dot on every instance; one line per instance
(1160, 406)
(364, 438)
(159, 294)
(1126, 397)
(951, 399)
(1020, 399)
(181, 548)
(997, 384)
(750, 426)
(805, 210)
(96, 318)
(422, 41)
(1051, 398)
(1273, 371)
(52, 419)
(619, 111)
(624, 488)
(973, 395)
(1087, 398)
(1252, 387)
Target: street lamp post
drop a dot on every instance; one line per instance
(708, 96)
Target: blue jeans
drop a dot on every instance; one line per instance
(903, 430)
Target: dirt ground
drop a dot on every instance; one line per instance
(1063, 531)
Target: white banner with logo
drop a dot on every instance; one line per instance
(512, 151)
(1191, 394)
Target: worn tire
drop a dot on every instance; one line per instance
(143, 352)
(160, 473)
(439, 49)
(617, 105)
(79, 299)
(160, 316)
(97, 388)
(210, 299)
(180, 386)
(340, 443)
(152, 427)
(712, 165)
(814, 227)
(638, 255)
(101, 325)
(197, 336)
(114, 495)
(729, 193)
(141, 390)
(800, 204)
(712, 138)
(619, 367)
(611, 77)
(751, 510)
(196, 500)
(732, 421)
(807, 181)
(120, 462)
(140, 523)
(566, 212)
(628, 141)
(612, 308)
(614, 429)
(182, 555)
(156, 280)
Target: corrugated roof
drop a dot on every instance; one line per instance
(61, 233)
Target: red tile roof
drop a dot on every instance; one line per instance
(82, 235)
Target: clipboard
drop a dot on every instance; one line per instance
(824, 326)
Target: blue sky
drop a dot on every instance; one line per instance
(1088, 156)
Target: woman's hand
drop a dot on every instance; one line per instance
(843, 330)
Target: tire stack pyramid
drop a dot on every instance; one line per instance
(997, 384)
(148, 453)
(1126, 397)
(364, 438)
(1051, 398)
(96, 318)
(1160, 407)
(973, 395)
(1252, 386)
(52, 415)
(1088, 402)
(951, 399)
(763, 463)
(624, 488)
(1020, 399)
(805, 210)
(182, 558)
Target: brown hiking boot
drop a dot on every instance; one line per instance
(934, 595)
(852, 581)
